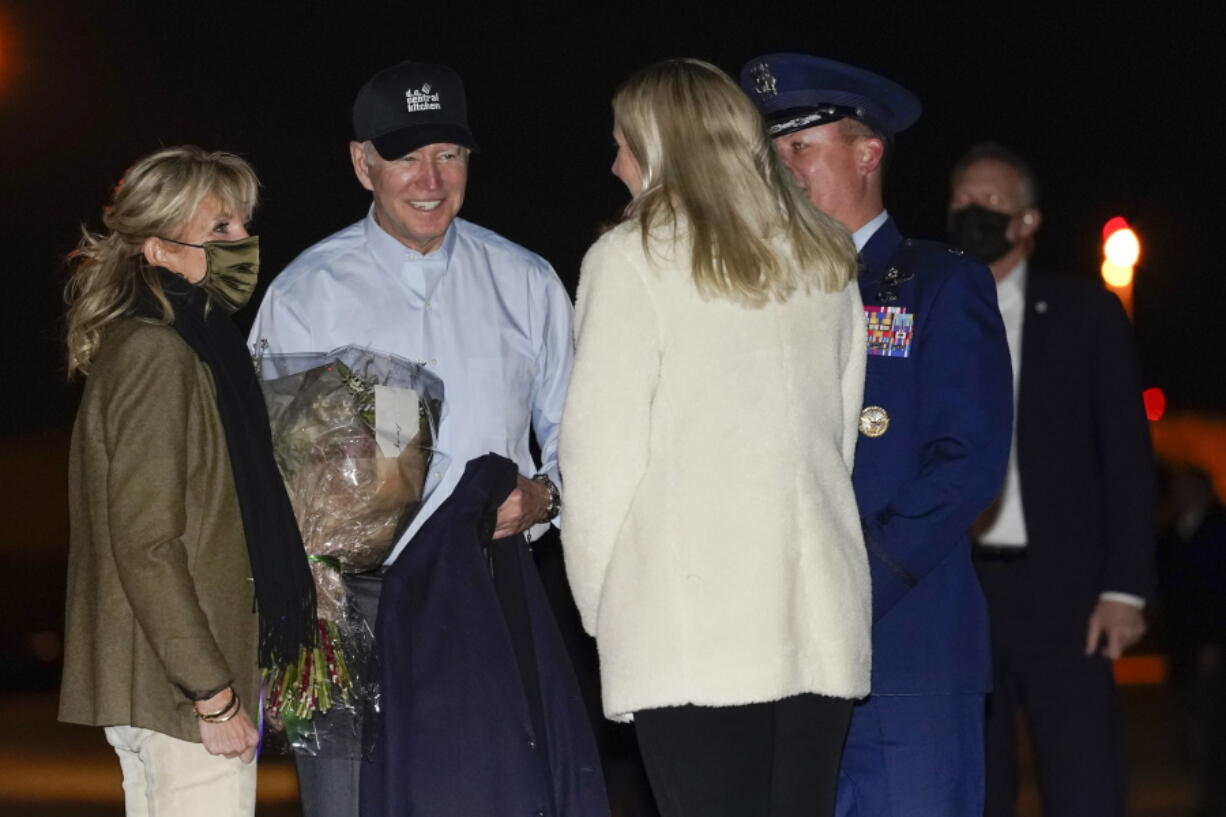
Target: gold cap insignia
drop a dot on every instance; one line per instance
(763, 80)
(874, 421)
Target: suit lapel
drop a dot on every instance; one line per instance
(1036, 328)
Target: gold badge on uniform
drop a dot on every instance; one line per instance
(874, 421)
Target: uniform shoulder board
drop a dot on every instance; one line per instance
(918, 247)
(920, 256)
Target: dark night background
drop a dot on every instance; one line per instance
(1120, 112)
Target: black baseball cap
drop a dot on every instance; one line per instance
(409, 105)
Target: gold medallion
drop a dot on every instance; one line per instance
(874, 421)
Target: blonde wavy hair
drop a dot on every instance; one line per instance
(708, 170)
(156, 197)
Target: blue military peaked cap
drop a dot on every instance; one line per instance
(797, 91)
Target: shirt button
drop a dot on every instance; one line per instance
(433, 361)
(429, 306)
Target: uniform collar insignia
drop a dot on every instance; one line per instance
(893, 278)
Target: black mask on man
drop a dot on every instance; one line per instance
(981, 232)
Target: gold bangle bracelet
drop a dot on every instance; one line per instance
(225, 713)
(221, 711)
(227, 717)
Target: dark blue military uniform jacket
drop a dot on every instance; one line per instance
(939, 462)
(457, 738)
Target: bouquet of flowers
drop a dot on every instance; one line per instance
(354, 436)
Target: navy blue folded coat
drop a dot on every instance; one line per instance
(457, 738)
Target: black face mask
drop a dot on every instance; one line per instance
(981, 232)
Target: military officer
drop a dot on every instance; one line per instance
(935, 432)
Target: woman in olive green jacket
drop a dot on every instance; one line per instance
(176, 504)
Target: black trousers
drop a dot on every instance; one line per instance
(1067, 699)
(776, 759)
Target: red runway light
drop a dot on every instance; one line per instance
(1155, 403)
(12, 52)
(1113, 225)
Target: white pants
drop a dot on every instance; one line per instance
(168, 777)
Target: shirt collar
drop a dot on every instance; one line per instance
(862, 235)
(1015, 282)
(391, 254)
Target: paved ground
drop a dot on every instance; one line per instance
(51, 769)
(48, 768)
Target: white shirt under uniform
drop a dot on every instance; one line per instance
(1007, 528)
(487, 316)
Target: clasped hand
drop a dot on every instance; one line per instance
(525, 507)
(236, 737)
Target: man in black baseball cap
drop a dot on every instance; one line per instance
(409, 105)
(487, 316)
(416, 111)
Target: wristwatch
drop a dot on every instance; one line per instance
(555, 496)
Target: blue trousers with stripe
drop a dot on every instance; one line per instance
(914, 756)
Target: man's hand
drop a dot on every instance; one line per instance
(1118, 623)
(525, 507)
(236, 737)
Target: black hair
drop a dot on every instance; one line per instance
(996, 152)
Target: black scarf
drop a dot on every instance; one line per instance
(284, 590)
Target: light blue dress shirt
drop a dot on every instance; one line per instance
(867, 230)
(484, 314)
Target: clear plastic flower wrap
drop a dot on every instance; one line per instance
(354, 434)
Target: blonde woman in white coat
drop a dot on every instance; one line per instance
(710, 530)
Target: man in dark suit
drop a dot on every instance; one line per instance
(934, 443)
(1066, 554)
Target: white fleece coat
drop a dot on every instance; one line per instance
(711, 534)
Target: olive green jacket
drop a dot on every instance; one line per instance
(160, 597)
